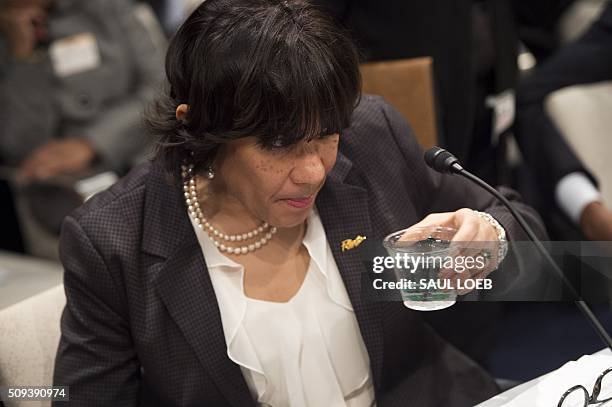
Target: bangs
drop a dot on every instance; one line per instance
(281, 71)
(302, 92)
(281, 76)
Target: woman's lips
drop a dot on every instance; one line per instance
(300, 202)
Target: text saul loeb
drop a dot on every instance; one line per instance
(434, 284)
(405, 262)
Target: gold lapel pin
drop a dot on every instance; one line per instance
(350, 244)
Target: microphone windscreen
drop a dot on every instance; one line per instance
(440, 160)
(430, 156)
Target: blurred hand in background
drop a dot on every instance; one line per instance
(58, 157)
(596, 222)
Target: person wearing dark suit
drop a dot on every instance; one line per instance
(586, 60)
(214, 275)
(475, 45)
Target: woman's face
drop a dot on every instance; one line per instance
(277, 185)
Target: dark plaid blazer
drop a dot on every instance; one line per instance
(142, 324)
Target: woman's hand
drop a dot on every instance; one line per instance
(476, 237)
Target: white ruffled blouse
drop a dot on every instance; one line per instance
(304, 352)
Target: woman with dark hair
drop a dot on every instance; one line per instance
(214, 275)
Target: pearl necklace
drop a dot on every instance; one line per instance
(193, 206)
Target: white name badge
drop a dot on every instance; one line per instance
(76, 54)
(504, 112)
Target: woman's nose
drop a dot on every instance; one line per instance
(309, 169)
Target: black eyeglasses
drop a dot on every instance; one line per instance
(578, 396)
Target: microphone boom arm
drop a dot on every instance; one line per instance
(444, 162)
(580, 303)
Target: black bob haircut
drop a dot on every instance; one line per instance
(278, 70)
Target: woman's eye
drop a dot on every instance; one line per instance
(327, 135)
(277, 142)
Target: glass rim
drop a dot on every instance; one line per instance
(387, 239)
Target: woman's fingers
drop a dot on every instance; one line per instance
(469, 231)
(446, 219)
(474, 246)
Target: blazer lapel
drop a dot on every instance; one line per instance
(344, 212)
(187, 292)
(186, 289)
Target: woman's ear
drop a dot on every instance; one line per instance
(181, 111)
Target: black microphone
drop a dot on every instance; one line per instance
(442, 161)
(445, 162)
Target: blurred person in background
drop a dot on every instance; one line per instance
(475, 46)
(74, 78)
(587, 60)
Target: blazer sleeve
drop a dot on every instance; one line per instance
(96, 357)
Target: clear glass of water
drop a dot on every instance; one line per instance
(420, 254)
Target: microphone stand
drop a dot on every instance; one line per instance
(586, 310)
(443, 161)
